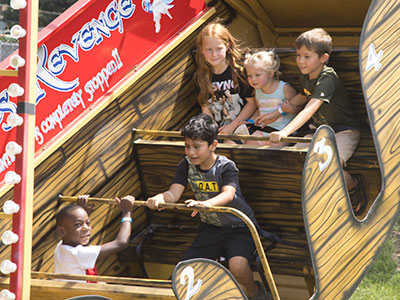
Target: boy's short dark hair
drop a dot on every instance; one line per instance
(317, 40)
(201, 127)
(64, 212)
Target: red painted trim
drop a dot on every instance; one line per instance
(22, 190)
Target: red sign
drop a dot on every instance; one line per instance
(84, 53)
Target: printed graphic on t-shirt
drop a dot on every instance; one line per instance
(307, 92)
(207, 186)
(194, 177)
(227, 103)
(269, 105)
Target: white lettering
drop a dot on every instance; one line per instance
(57, 116)
(101, 78)
(6, 106)
(5, 161)
(225, 85)
(373, 58)
(99, 81)
(90, 34)
(38, 136)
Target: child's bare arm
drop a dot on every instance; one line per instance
(122, 239)
(291, 109)
(247, 111)
(298, 100)
(311, 108)
(227, 194)
(294, 102)
(171, 196)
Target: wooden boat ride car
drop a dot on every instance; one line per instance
(111, 85)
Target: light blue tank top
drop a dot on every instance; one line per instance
(268, 103)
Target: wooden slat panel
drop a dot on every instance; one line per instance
(98, 160)
(293, 13)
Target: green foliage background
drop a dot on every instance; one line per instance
(383, 279)
(48, 11)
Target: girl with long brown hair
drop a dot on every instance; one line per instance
(224, 92)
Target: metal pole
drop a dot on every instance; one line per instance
(177, 134)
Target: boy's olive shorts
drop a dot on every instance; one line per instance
(346, 141)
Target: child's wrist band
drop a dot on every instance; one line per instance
(281, 111)
(126, 219)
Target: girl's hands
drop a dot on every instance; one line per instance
(227, 129)
(265, 119)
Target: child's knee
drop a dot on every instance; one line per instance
(238, 264)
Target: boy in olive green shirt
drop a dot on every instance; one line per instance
(326, 102)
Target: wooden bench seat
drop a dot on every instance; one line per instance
(166, 245)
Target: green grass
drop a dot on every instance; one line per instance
(383, 279)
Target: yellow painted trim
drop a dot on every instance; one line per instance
(4, 189)
(45, 152)
(10, 73)
(54, 289)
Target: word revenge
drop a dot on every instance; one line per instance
(83, 57)
(90, 35)
(54, 120)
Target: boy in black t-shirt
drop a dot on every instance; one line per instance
(326, 102)
(214, 181)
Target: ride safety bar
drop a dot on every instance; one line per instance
(177, 134)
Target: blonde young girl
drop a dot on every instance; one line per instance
(271, 94)
(224, 92)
